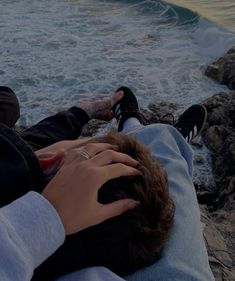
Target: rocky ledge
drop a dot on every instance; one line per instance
(223, 70)
(219, 231)
(219, 137)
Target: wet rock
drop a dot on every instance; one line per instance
(219, 237)
(163, 112)
(198, 160)
(219, 232)
(219, 136)
(223, 70)
(92, 127)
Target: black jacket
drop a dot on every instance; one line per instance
(20, 170)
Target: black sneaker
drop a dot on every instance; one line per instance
(126, 108)
(192, 121)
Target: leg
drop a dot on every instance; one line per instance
(185, 256)
(65, 125)
(68, 125)
(90, 274)
(9, 107)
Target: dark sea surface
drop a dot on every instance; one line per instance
(55, 53)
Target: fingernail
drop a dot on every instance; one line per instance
(132, 204)
(115, 147)
(137, 164)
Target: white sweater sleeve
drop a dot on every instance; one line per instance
(30, 231)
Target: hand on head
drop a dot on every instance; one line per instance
(101, 109)
(74, 189)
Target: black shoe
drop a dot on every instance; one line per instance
(192, 121)
(126, 108)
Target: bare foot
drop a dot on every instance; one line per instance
(102, 108)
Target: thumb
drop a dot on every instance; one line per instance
(118, 207)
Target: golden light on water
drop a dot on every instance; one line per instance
(222, 12)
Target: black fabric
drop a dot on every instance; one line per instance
(20, 170)
(66, 125)
(9, 107)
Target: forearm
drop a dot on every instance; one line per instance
(66, 125)
(30, 231)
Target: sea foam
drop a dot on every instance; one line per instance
(55, 53)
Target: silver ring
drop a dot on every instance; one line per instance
(84, 154)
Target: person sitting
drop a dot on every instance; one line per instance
(127, 242)
(122, 244)
(128, 116)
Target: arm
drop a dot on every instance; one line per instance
(67, 125)
(30, 231)
(61, 126)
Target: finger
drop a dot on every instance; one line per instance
(117, 208)
(90, 150)
(118, 170)
(96, 148)
(110, 156)
(116, 97)
(79, 142)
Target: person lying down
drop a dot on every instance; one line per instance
(130, 241)
(124, 243)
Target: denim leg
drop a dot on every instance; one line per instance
(131, 124)
(185, 255)
(91, 274)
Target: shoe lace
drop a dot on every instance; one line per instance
(162, 119)
(143, 119)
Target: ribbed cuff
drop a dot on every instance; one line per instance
(38, 225)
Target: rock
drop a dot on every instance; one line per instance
(219, 232)
(198, 159)
(163, 112)
(223, 70)
(219, 137)
(219, 235)
(92, 127)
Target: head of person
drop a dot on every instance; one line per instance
(137, 237)
(9, 107)
(134, 239)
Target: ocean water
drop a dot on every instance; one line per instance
(220, 11)
(55, 53)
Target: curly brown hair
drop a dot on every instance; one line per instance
(134, 239)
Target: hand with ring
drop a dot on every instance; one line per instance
(74, 189)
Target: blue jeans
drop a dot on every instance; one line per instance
(185, 255)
